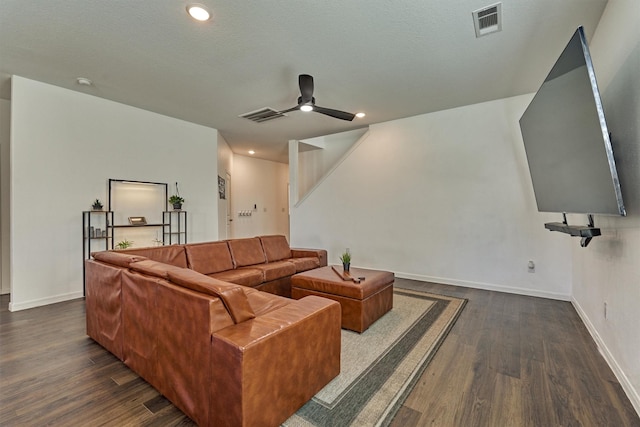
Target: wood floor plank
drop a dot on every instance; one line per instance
(537, 407)
(506, 404)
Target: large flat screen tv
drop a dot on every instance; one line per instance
(567, 142)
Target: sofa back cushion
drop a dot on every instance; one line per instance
(246, 252)
(276, 248)
(116, 258)
(232, 296)
(153, 268)
(209, 258)
(173, 254)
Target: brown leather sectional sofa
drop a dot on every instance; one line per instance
(192, 321)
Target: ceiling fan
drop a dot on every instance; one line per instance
(306, 101)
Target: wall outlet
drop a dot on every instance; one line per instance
(532, 266)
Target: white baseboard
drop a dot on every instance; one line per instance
(24, 305)
(487, 286)
(628, 388)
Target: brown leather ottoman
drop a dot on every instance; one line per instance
(362, 303)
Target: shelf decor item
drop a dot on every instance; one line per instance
(176, 200)
(124, 244)
(346, 260)
(97, 205)
(137, 220)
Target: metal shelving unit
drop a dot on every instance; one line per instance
(174, 227)
(173, 223)
(97, 234)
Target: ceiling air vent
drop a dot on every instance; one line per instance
(263, 115)
(488, 19)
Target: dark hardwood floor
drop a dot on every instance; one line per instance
(513, 360)
(509, 360)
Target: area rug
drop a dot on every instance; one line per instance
(380, 366)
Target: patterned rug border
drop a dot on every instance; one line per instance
(354, 400)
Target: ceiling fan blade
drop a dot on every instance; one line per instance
(305, 81)
(297, 107)
(334, 113)
(288, 110)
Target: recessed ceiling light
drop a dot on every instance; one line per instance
(83, 81)
(252, 152)
(198, 12)
(360, 115)
(306, 108)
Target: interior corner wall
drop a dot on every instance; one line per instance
(313, 164)
(5, 126)
(225, 166)
(260, 187)
(608, 270)
(443, 197)
(65, 145)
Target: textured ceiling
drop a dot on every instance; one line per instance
(388, 59)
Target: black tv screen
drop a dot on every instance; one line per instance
(567, 142)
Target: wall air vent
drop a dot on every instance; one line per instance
(488, 19)
(263, 115)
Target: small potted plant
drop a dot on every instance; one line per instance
(176, 201)
(124, 244)
(97, 205)
(346, 260)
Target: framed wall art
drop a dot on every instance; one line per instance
(221, 188)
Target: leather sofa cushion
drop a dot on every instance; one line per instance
(263, 302)
(246, 252)
(275, 270)
(173, 254)
(116, 258)
(276, 247)
(153, 268)
(306, 263)
(321, 254)
(210, 257)
(245, 276)
(231, 295)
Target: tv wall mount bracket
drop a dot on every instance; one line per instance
(586, 233)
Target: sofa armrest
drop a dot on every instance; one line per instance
(103, 299)
(268, 367)
(302, 253)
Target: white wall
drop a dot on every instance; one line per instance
(262, 183)
(5, 121)
(65, 145)
(609, 269)
(445, 197)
